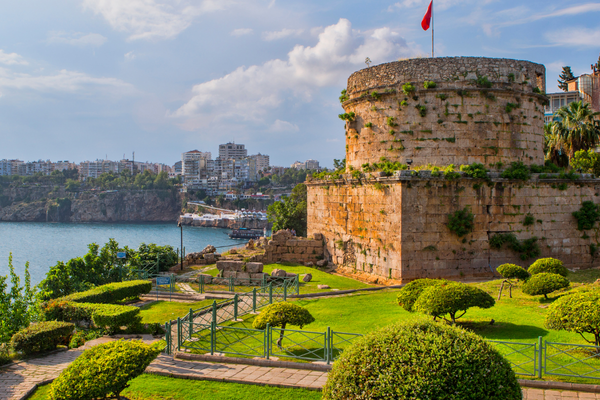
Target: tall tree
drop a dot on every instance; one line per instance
(290, 213)
(577, 127)
(565, 75)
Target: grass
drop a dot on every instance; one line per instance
(151, 387)
(319, 277)
(163, 311)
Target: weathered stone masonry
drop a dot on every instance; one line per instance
(396, 227)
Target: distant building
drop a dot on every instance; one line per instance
(232, 151)
(177, 168)
(585, 87)
(262, 161)
(308, 164)
(10, 167)
(192, 164)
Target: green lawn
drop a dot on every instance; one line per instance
(319, 277)
(163, 311)
(151, 387)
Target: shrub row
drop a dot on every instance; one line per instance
(43, 336)
(109, 316)
(111, 292)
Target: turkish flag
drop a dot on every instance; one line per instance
(427, 18)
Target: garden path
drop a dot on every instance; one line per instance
(18, 380)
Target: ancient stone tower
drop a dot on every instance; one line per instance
(428, 113)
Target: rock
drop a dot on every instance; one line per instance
(318, 236)
(322, 263)
(323, 287)
(207, 278)
(308, 264)
(242, 278)
(258, 278)
(250, 245)
(281, 236)
(254, 267)
(229, 265)
(210, 258)
(307, 278)
(230, 274)
(290, 275)
(597, 282)
(278, 273)
(233, 251)
(209, 249)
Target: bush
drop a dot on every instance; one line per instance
(408, 88)
(549, 264)
(544, 283)
(587, 215)
(63, 310)
(512, 271)
(475, 170)
(112, 292)
(77, 340)
(588, 161)
(429, 84)
(578, 312)
(103, 370)
(43, 336)
(281, 314)
(408, 295)
(105, 316)
(517, 171)
(4, 355)
(451, 298)
(421, 360)
(461, 222)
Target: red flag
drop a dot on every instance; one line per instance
(427, 18)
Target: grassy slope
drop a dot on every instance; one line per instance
(163, 311)
(150, 387)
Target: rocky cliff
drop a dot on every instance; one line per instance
(54, 204)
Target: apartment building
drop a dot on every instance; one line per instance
(232, 151)
(583, 88)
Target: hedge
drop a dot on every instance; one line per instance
(111, 292)
(109, 316)
(43, 336)
(551, 265)
(409, 294)
(421, 360)
(544, 283)
(103, 370)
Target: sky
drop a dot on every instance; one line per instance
(94, 79)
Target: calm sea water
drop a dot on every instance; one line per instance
(43, 244)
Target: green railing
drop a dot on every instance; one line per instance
(281, 287)
(571, 360)
(524, 358)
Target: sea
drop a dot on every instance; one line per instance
(43, 244)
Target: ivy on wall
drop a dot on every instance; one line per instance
(461, 222)
(587, 215)
(527, 248)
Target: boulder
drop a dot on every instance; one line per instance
(282, 236)
(278, 273)
(318, 236)
(308, 264)
(233, 251)
(207, 278)
(322, 263)
(250, 245)
(290, 275)
(209, 249)
(307, 278)
(229, 265)
(323, 287)
(258, 278)
(254, 267)
(230, 274)
(242, 278)
(210, 258)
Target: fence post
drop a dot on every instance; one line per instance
(214, 311)
(540, 357)
(270, 292)
(253, 299)
(284, 291)
(168, 336)
(212, 338)
(201, 283)
(178, 334)
(328, 351)
(263, 285)
(231, 286)
(191, 322)
(298, 284)
(267, 342)
(235, 307)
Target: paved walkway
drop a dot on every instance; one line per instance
(18, 379)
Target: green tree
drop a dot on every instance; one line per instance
(510, 272)
(577, 312)
(280, 315)
(290, 212)
(17, 305)
(544, 283)
(577, 128)
(588, 161)
(161, 181)
(408, 295)
(565, 75)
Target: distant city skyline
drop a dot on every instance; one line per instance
(88, 79)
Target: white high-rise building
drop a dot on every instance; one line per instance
(192, 163)
(232, 151)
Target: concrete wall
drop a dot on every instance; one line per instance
(464, 122)
(396, 227)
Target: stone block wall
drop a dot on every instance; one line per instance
(457, 122)
(397, 227)
(283, 247)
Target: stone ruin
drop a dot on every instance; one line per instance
(472, 110)
(244, 273)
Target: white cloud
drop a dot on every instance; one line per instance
(269, 36)
(152, 19)
(63, 81)
(11, 59)
(76, 38)
(438, 4)
(249, 92)
(283, 126)
(580, 37)
(130, 56)
(241, 32)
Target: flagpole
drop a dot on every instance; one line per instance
(432, 28)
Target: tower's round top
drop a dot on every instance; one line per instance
(447, 69)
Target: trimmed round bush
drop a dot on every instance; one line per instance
(103, 370)
(408, 295)
(43, 336)
(512, 271)
(549, 264)
(421, 360)
(280, 315)
(544, 283)
(577, 312)
(452, 299)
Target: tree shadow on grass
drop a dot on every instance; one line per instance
(503, 330)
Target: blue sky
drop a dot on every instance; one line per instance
(88, 79)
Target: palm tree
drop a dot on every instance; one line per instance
(577, 127)
(553, 143)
